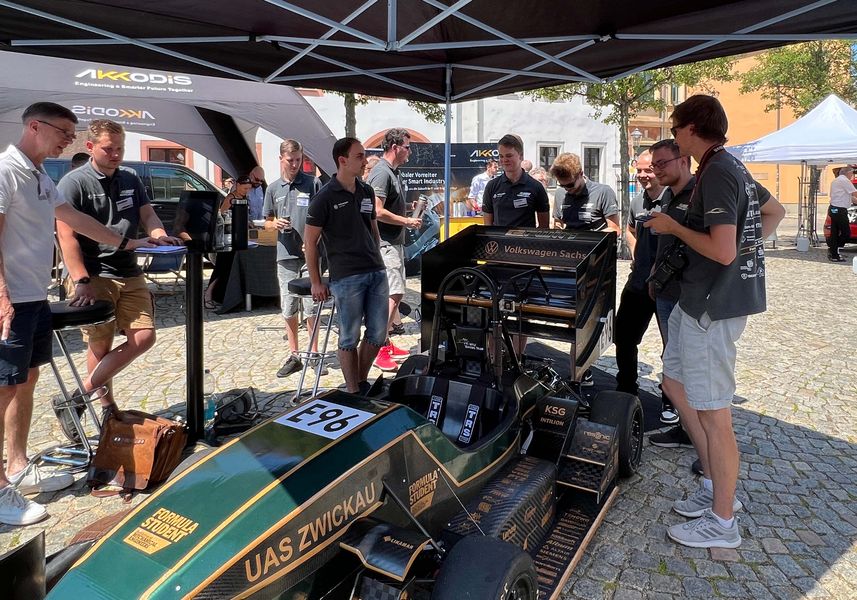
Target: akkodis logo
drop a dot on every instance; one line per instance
(114, 113)
(134, 77)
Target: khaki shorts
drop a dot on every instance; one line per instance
(394, 262)
(135, 308)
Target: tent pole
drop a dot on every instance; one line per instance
(447, 150)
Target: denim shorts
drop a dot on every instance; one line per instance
(358, 296)
(30, 342)
(287, 270)
(700, 354)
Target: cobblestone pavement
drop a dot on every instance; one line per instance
(795, 416)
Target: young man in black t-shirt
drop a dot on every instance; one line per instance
(342, 214)
(514, 199)
(729, 216)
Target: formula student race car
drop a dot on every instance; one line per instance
(469, 475)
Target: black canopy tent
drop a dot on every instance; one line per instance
(430, 50)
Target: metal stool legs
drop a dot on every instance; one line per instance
(316, 358)
(79, 454)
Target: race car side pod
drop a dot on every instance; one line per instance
(389, 491)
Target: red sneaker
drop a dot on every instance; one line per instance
(396, 353)
(383, 360)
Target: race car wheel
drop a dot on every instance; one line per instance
(625, 413)
(481, 567)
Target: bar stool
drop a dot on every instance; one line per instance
(303, 287)
(65, 318)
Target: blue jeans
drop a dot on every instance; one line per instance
(358, 296)
(663, 308)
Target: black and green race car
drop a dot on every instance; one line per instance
(467, 476)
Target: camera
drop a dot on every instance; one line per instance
(669, 267)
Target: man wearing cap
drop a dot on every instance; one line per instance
(842, 195)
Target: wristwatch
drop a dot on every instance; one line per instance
(124, 243)
(82, 281)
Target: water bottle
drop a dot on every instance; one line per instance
(209, 395)
(227, 229)
(218, 232)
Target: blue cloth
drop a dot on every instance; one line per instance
(256, 197)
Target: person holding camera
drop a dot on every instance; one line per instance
(729, 216)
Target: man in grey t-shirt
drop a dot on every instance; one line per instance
(729, 216)
(579, 202)
(285, 208)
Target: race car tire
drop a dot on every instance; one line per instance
(481, 567)
(625, 413)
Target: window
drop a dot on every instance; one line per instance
(674, 94)
(169, 183)
(170, 155)
(592, 162)
(548, 154)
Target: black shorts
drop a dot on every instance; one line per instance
(30, 342)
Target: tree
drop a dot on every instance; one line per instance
(352, 101)
(431, 112)
(802, 75)
(615, 103)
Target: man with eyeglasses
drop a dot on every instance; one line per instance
(392, 221)
(579, 202)
(728, 218)
(256, 196)
(285, 209)
(636, 308)
(29, 201)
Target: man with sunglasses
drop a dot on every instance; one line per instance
(728, 218)
(29, 201)
(579, 202)
(392, 221)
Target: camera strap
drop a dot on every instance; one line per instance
(700, 171)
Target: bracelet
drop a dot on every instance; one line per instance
(124, 242)
(82, 281)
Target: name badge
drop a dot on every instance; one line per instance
(366, 205)
(124, 203)
(303, 199)
(521, 202)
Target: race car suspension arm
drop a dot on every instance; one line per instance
(389, 491)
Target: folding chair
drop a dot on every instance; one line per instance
(156, 266)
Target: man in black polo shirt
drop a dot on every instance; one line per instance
(285, 207)
(390, 208)
(343, 216)
(581, 203)
(116, 198)
(514, 199)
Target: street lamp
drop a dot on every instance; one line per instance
(636, 136)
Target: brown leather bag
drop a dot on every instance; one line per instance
(136, 450)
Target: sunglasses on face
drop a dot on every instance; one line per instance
(573, 184)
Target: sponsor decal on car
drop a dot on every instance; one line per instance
(421, 492)
(162, 528)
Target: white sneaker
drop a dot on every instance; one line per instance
(17, 510)
(32, 481)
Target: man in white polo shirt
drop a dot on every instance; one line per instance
(842, 195)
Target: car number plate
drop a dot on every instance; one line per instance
(326, 419)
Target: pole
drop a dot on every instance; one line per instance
(193, 306)
(447, 151)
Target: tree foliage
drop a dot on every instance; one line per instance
(617, 102)
(802, 75)
(431, 112)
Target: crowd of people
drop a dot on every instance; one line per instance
(353, 228)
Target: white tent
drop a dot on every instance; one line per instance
(826, 134)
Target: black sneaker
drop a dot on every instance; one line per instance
(363, 388)
(835, 258)
(293, 365)
(586, 380)
(696, 467)
(60, 405)
(674, 437)
(397, 329)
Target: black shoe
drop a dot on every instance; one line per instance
(397, 329)
(835, 258)
(293, 365)
(363, 388)
(696, 467)
(60, 405)
(586, 380)
(674, 437)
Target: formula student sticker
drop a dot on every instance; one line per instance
(158, 531)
